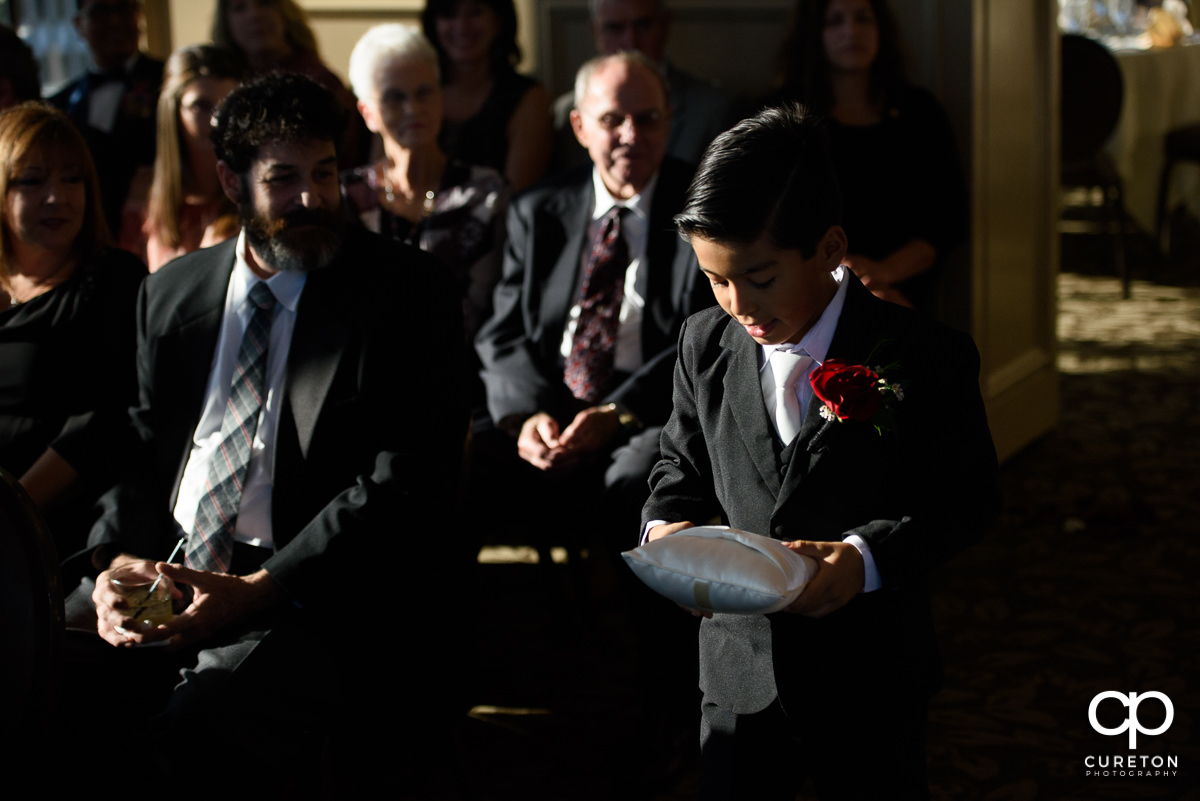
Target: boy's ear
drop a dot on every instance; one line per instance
(833, 247)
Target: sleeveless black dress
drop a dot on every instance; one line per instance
(483, 139)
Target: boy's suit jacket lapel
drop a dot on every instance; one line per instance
(853, 340)
(810, 444)
(744, 401)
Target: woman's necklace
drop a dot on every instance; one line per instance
(32, 289)
(389, 194)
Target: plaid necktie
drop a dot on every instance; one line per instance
(590, 365)
(210, 546)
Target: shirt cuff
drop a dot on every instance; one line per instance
(646, 530)
(871, 579)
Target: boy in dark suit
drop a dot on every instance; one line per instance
(883, 473)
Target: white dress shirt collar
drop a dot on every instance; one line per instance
(639, 204)
(285, 285)
(816, 340)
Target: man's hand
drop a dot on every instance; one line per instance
(538, 442)
(541, 444)
(218, 601)
(113, 623)
(839, 578)
(591, 430)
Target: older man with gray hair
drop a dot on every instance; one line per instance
(699, 110)
(573, 388)
(579, 356)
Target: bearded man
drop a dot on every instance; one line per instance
(289, 431)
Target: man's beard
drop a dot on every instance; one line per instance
(285, 244)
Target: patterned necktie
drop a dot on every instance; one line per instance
(590, 365)
(787, 367)
(210, 546)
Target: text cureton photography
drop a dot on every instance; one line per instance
(1130, 765)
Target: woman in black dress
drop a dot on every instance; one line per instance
(905, 200)
(494, 117)
(67, 324)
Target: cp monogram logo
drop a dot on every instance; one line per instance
(1131, 723)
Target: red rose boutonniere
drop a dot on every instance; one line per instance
(855, 392)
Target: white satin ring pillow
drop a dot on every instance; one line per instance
(721, 569)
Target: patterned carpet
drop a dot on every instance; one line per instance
(1089, 583)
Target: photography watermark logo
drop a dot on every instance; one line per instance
(1132, 724)
(1131, 764)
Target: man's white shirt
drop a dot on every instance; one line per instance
(105, 101)
(254, 514)
(635, 229)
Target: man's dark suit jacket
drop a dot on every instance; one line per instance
(133, 139)
(371, 422)
(916, 497)
(520, 345)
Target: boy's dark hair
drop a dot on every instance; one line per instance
(769, 174)
(277, 108)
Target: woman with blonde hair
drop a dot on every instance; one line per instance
(186, 209)
(67, 324)
(266, 34)
(274, 36)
